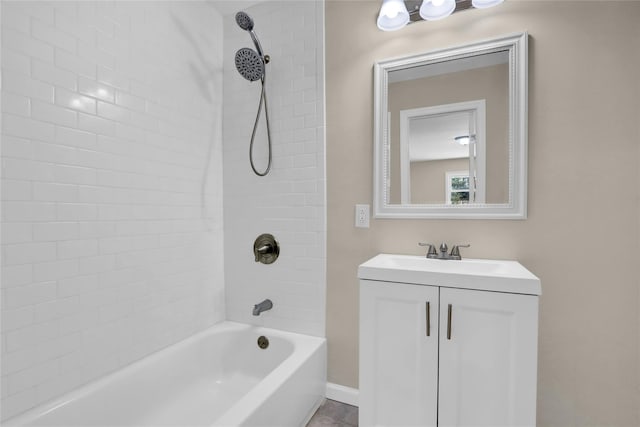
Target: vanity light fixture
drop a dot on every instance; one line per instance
(395, 14)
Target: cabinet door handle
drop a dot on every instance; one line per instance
(428, 307)
(449, 322)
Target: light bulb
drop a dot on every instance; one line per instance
(483, 4)
(393, 15)
(432, 10)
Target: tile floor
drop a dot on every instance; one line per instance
(334, 414)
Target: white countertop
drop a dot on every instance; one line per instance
(481, 274)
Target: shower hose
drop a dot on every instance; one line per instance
(263, 100)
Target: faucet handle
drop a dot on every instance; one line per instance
(266, 249)
(431, 252)
(455, 251)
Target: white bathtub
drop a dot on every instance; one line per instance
(219, 377)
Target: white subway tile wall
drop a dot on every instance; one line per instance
(111, 187)
(290, 201)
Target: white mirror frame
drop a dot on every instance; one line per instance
(516, 208)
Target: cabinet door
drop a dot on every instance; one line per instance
(487, 358)
(398, 354)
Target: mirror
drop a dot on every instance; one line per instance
(450, 132)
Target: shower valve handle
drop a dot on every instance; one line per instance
(263, 250)
(266, 249)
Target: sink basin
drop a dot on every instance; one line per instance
(481, 274)
(467, 266)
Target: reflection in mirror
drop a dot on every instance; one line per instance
(479, 85)
(450, 134)
(434, 142)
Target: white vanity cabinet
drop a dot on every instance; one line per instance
(436, 350)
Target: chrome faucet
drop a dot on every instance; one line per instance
(443, 251)
(455, 251)
(263, 306)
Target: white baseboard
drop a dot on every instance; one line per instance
(342, 394)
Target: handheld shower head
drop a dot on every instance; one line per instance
(251, 65)
(244, 21)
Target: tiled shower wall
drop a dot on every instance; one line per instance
(111, 187)
(290, 201)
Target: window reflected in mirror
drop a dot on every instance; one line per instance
(458, 188)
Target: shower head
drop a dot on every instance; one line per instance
(244, 21)
(250, 64)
